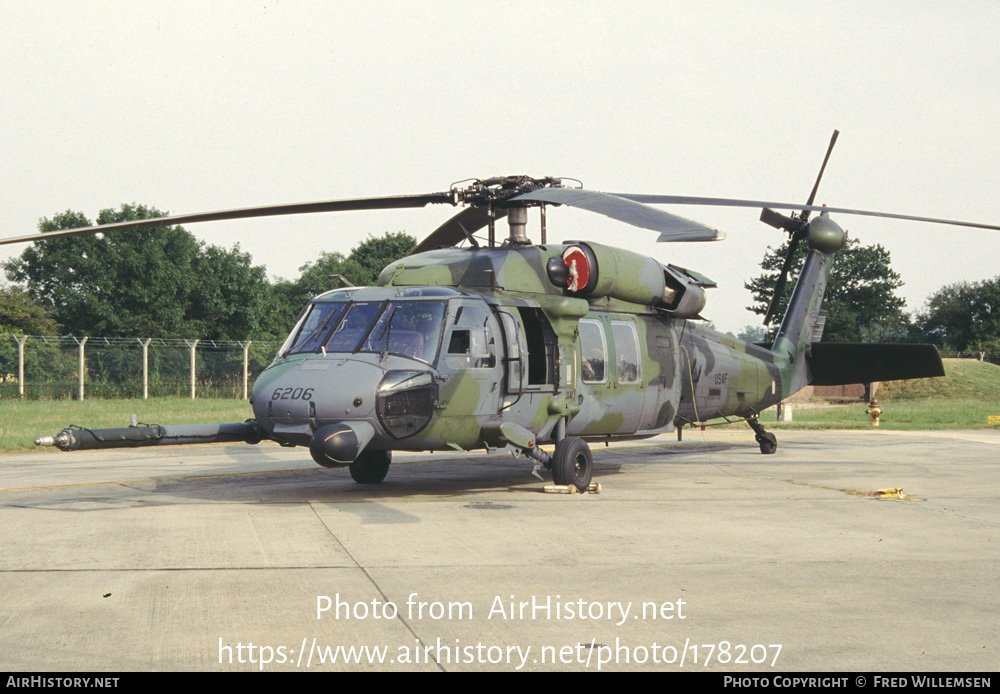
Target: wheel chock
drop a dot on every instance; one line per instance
(592, 488)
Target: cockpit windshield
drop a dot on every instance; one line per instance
(311, 330)
(407, 328)
(356, 323)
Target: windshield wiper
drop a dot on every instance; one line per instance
(318, 330)
(385, 331)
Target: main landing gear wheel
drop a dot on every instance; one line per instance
(371, 467)
(572, 463)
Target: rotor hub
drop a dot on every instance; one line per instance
(496, 191)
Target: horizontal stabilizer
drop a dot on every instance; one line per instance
(843, 363)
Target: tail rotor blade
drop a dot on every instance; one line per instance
(812, 195)
(778, 220)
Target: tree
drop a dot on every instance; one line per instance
(158, 282)
(860, 301)
(963, 316)
(752, 333)
(19, 315)
(361, 268)
(368, 259)
(163, 282)
(229, 299)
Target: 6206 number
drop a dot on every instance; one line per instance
(292, 394)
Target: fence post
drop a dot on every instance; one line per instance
(145, 367)
(193, 346)
(246, 366)
(20, 366)
(81, 343)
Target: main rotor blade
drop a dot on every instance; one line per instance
(451, 233)
(671, 227)
(395, 202)
(729, 202)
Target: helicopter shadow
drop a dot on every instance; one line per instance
(275, 476)
(434, 478)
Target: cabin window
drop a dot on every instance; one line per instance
(594, 351)
(626, 352)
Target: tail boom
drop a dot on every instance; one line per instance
(795, 335)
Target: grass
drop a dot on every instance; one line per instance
(963, 399)
(902, 414)
(964, 379)
(21, 421)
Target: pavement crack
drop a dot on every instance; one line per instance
(371, 579)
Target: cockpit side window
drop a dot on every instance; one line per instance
(471, 342)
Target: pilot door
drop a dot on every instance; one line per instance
(471, 358)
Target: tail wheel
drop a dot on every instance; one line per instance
(371, 467)
(768, 443)
(572, 463)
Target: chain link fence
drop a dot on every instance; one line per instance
(43, 367)
(987, 356)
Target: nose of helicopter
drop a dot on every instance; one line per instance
(340, 406)
(298, 398)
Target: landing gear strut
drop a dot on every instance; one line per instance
(768, 443)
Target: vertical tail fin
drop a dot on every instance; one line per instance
(825, 238)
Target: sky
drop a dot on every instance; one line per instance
(195, 106)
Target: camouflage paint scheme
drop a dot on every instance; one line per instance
(520, 358)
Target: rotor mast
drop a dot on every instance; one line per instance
(500, 197)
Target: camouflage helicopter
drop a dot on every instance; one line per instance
(513, 344)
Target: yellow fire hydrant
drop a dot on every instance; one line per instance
(874, 412)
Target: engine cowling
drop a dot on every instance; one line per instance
(591, 270)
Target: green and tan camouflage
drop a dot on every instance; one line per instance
(617, 357)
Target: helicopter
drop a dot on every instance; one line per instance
(515, 345)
